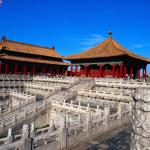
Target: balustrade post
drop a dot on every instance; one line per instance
(35, 108)
(88, 106)
(97, 107)
(9, 136)
(119, 112)
(25, 113)
(25, 131)
(63, 136)
(26, 140)
(0, 111)
(52, 125)
(14, 119)
(32, 130)
(10, 106)
(88, 123)
(79, 105)
(44, 104)
(106, 116)
(2, 126)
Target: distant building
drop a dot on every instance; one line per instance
(21, 58)
(108, 59)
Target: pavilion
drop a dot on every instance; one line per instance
(22, 58)
(108, 59)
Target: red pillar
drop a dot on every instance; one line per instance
(80, 73)
(138, 72)
(124, 71)
(63, 73)
(113, 70)
(91, 72)
(43, 69)
(29, 70)
(57, 71)
(76, 73)
(24, 71)
(33, 70)
(105, 71)
(121, 70)
(6, 68)
(0, 67)
(131, 71)
(15, 69)
(86, 70)
(51, 71)
(71, 71)
(144, 73)
(101, 71)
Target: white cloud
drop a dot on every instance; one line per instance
(89, 42)
(140, 45)
(92, 40)
(137, 45)
(1, 1)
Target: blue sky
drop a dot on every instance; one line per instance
(75, 25)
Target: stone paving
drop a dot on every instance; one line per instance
(114, 140)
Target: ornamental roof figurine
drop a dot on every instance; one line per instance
(110, 33)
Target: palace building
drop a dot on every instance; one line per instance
(108, 59)
(21, 58)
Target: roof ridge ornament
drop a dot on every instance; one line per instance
(3, 42)
(110, 34)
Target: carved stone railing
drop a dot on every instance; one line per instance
(73, 107)
(106, 95)
(57, 80)
(122, 84)
(68, 136)
(20, 115)
(41, 86)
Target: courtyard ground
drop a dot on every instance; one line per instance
(115, 140)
